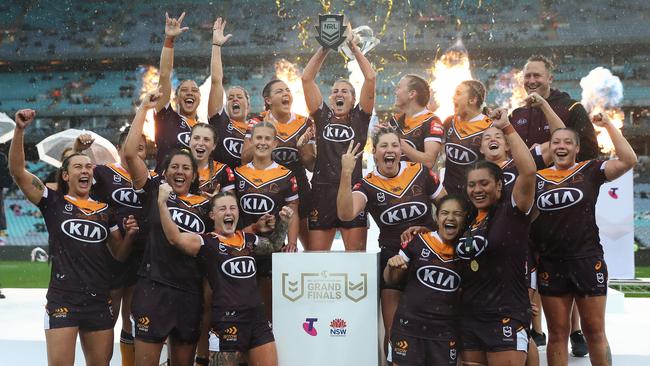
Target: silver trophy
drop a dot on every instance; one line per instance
(365, 39)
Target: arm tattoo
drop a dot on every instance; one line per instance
(275, 241)
(227, 358)
(38, 184)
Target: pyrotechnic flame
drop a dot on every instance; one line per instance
(149, 82)
(510, 86)
(601, 93)
(448, 72)
(289, 73)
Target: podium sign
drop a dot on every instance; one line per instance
(325, 308)
(615, 219)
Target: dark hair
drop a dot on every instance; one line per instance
(261, 124)
(576, 137)
(543, 59)
(464, 204)
(121, 138)
(476, 90)
(266, 92)
(381, 131)
(209, 127)
(354, 93)
(178, 88)
(194, 187)
(62, 186)
(421, 87)
(495, 171)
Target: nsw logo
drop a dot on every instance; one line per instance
(187, 221)
(338, 328)
(459, 154)
(403, 212)
(559, 198)
(256, 204)
(438, 278)
(239, 267)
(126, 197)
(285, 155)
(309, 328)
(84, 230)
(478, 246)
(184, 138)
(338, 133)
(233, 146)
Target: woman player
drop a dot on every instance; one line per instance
(294, 149)
(425, 330)
(230, 123)
(397, 194)
(463, 134)
(495, 310)
(236, 303)
(213, 175)
(168, 297)
(421, 132)
(173, 127)
(83, 236)
(337, 123)
(571, 263)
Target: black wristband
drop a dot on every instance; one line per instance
(216, 44)
(202, 361)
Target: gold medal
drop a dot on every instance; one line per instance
(473, 265)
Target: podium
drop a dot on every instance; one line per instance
(326, 308)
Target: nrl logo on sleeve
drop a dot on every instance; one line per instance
(330, 31)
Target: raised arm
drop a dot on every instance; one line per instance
(367, 97)
(31, 186)
(523, 191)
(276, 240)
(428, 157)
(313, 97)
(172, 30)
(136, 166)
(349, 205)
(215, 100)
(189, 243)
(307, 150)
(626, 156)
(121, 246)
(554, 121)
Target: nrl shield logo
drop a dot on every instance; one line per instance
(330, 31)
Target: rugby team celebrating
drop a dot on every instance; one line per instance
(183, 251)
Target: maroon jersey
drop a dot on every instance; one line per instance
(493, 268)
(229, 265)
(422, 127)
(510, 172)
(462, 148)
(431, 291)
(399, 202)
(172, 132)
(333, 139)
(230, 139)
(163, 262)
(79, 231)
(566, 200)
(220, 175)
(263, 191)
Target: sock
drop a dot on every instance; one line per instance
(127, 349)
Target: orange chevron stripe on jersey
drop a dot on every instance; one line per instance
(192, 200)
(443, 251)
(88, 206)
(399, 184)
(465, 129)
(259, 177)
(240, 126)
(236, 241)
(204, 173)
(556, 176)
(190, 121)
(412, 123)
(286, 131)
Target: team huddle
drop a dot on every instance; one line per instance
(183, 251)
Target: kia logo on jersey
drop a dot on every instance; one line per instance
(84, 230)
(338, 133)
(239, 267)
(256, 204)
(403, 212)
(184, 138)
(285, 155)
(559, 198)
(459, 154)
(478, 246)
(508, 177)
(187, 221)
(126, 197)
(438, 278)
(233, 146)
